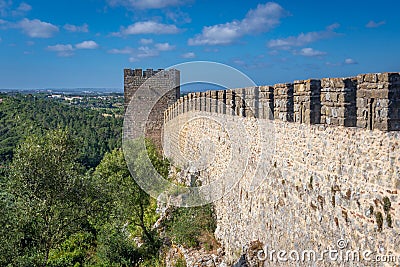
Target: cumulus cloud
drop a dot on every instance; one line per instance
(147, 27)
(66, 50)
(7, 9)
(62, 50)
(143, 51)
(310, 52)
(4, 5)
(147, 4)
(24, 7)
(126, 50)
(347, 61)
(164, 47)
(21, 10)
(189, 55)
(75, 28)
(350, 61)
(87, 45)
(178, 16)
(262, 19)
(146, 41)
(36, 28)
(373, 24)
(304, 38)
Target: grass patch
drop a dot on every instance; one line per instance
(192, 227)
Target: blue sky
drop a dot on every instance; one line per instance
(87, 43)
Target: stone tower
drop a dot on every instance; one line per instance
(134, 78)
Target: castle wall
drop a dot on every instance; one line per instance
(326, 183)
(334, 170)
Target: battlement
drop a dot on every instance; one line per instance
(368, 101)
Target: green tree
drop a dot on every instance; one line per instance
(53, 197)
(132, 209)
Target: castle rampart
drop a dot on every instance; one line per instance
(335, 172)
(368, 101)
(334, 165)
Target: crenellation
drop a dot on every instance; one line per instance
(221, 96)
(203, 102)
(307, 101)
(373, 101)
(283, 101)
(266, 102)
(369, 101)
(230, 102)
(197, 101)
(214, 102)
(250, 100)
(338, 101)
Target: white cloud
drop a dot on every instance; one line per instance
(36, 28)
(146, 41)
(143, 51)
(66, 50)
(350, 61)
(262, 19)
(147, 4)
(60, 47)
(148, 27)
(126, 50)
(310, 52)
(24, 7)
(347, 61)
(87, 45)
(164, 47)
(304, 38)
(21, 10)
(133, 59)
(4, 7)
(189, 55)
(75, 28)
(373, 24)
(178, 16)
(62, 50)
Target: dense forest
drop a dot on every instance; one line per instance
(67, 197)
(24, 115)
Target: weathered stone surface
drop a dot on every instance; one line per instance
(169, 80)
(330, 176)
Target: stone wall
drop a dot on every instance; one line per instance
(154, 81)
(326, 180)
(328, 183)
(325, 184)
